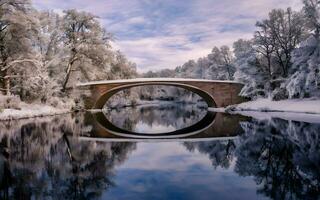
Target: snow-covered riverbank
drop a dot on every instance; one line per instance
(291, 105)
(30, 111)
(307, 110)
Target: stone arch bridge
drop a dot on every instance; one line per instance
(216, 93)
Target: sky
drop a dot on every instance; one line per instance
(158, 34)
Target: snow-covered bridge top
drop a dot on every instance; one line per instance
(139, 80)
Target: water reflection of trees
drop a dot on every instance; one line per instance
(221, 153)
(283, 157)
(43, 160)
(171, 114)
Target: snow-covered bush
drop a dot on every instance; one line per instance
(12, 102)
(279, 94)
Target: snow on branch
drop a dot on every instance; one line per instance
(36, 62)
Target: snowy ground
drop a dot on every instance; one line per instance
(307, 110)
(28, 111)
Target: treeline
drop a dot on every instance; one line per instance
(281, 61)
(43, 54)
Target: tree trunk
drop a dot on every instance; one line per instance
(7, 86)
(69, 70)
(66, 79)
(229, 73)
(269, 64)
(281, 63)
(7, 83)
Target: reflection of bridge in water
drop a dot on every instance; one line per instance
(214, 126)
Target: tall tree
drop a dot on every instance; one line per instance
(221, 66)
(86, 42)
(248, 69)
(265, 44)
(49, 43)
(279, 35)
(17, 32)
(228, 59)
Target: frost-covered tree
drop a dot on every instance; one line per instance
(265, 45)
(42, 52)
(312, 12)
(247, 69)
(49, 43)
(218, 65)
(278, 36)
(121, 68)
(17, 33)
(187, 70)
(87, 43)
(221, 66)
(227, 63)
(305, 81)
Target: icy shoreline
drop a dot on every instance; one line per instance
(306, 110)
(31, 111)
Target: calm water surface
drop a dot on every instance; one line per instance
(60, 158)
(155, 118)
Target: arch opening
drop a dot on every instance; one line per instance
(153, 95)
(99, 104)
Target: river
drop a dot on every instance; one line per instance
(74, 156)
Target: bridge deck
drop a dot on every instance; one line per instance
(139, 80)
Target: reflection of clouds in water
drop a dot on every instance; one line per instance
(142, 127)
(167, 170)
(165, 156)
(196, 184)
(158, 118)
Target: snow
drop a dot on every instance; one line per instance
(301, 117)
(310, 106)
(217, 109)
(28, 111)
(153, 80)
(305, 110)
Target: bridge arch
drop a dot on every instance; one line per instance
(208, 98)
(216, 93)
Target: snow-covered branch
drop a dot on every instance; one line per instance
(11, 64)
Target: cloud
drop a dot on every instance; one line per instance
(164, 33)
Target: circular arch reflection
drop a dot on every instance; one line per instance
(196, 128)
